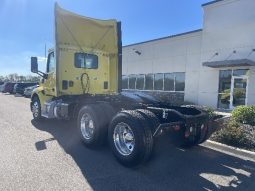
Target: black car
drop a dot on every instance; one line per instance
(20, 87)
(15, 87)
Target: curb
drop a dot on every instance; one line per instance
(241, 153)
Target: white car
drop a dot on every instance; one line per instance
(28, 90)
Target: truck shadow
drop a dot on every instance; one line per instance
(170, 168)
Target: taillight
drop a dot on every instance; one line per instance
(177, 127)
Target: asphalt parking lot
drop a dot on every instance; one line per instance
(49, 156)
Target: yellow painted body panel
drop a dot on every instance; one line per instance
(49, 86)
(42, 97)
(78, 34)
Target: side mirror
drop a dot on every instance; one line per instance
(34, 65)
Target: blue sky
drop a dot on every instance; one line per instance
(26, 25)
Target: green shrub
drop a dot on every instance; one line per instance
(233, 134)
(244, 114)
(210, 112)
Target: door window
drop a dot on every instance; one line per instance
(224, 89)
(239, 91)
(51, 63)
(232, 88)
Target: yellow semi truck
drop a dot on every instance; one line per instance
(82, 82)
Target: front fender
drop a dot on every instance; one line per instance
(39, 92)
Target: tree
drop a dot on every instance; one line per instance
(31, 78)
(19, 78)
(22, 78)
(13, 77)
(2, 78)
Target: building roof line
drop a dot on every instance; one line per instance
(171, 36)
(211, 2)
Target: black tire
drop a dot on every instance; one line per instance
(211, 127)
(36, 109)
(151, 118)
(106, 114)
(143, 140)
(99, 132)
(108, 111)
(205, 134)
(206, 131)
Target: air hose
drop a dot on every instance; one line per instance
(85, 87)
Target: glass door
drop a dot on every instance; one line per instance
(238, 95)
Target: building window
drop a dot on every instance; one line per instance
(240, 72)
(140, 82)
(158, 82)
(131, 81)
(169, 82)
(124, 82)
(179, 82)
(149, 78)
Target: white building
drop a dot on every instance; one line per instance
(213, 66)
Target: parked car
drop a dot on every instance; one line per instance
(2, 86)
(28, 91)
(20, 87)
(8, 87)
(15, 87)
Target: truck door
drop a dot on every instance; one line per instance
(50, 81)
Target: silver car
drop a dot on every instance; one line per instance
(28, 90)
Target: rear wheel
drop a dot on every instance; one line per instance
(36, 109)
(108, 111)
(130, 138)
(91, 125)
(204, 133)
(151, 118)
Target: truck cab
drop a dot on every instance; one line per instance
(86, 58)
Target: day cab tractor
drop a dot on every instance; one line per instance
(82, 82)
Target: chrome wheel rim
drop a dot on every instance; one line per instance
(124, 140)
(35, 109)
(87, 126)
